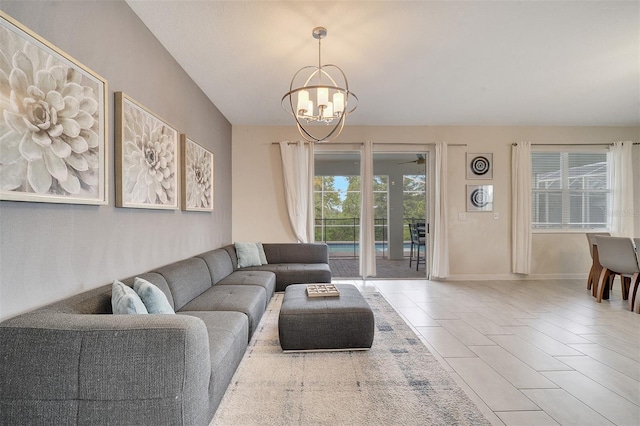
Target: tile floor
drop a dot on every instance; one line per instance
(528, 352)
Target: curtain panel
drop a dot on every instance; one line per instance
(521, 208)
(440, 229)
(298, 172)
(367, 234)
(622, 220)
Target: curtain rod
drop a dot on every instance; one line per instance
(375, 143)
(572, 144)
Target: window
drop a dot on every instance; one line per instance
(337, 207)
(570, 190)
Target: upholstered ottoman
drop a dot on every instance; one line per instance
(343, 322)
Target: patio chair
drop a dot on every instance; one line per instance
(618, 257)
(417, 233)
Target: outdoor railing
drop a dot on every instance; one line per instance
(343, 235)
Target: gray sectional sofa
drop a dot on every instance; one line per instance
(74, 362)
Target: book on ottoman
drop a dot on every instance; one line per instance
(322, 290)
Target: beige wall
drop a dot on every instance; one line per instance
(480, 246)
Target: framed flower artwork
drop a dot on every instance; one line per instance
(197, 176)
(53, 122)
(146, 157)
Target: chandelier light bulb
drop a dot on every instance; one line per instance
(328, 111)
(325, 87)
(303, 102)
(323, 96)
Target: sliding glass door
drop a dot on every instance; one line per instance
(400, 202)
(337, 209)
(400, 197)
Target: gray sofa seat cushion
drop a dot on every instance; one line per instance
(219, 263)
(186, 279)
(296, 273)
(248, 299)
(228, 335)
(264, 279)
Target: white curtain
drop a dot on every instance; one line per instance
(622, 190)
(298, 171)
(521, 208)
(367, 234)
(440, 229)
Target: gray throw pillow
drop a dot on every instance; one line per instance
(248, 255)
(124, 300)
(153, 298)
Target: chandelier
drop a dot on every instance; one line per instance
(315, 98)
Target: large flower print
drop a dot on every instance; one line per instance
(148, 158)
(49, 123)
(198, 177)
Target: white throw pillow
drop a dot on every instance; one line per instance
(124, 300)
(248, 255)
(153, 298)
(263, 257)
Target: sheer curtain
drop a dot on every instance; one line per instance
(440, 235)
(367, 234)
(521, 208)
(622, 189)
(298, 171)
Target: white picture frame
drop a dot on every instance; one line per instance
(197, 176)
(146, 157)
(54, 132)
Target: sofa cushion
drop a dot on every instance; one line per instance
(296, 253)
(186, 279)
(153, 298)
(264, 279)
(219, 264)
(231, 251)
(248, 255)
(124, 300)
(296, 273)
(248, 299)
(228, 335)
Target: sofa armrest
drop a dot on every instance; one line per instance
(60, 368)
(296, 252)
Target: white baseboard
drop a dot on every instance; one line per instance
(514, 277)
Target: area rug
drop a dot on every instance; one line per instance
(397, 382)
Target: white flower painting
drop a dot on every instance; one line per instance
(52, 122)
(146, 157)
(197, 176)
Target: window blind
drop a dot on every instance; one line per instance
(570, 190)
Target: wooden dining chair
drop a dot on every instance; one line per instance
(618, 257)
(634, 288)
(596, 268)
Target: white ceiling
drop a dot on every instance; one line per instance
(415, 63)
